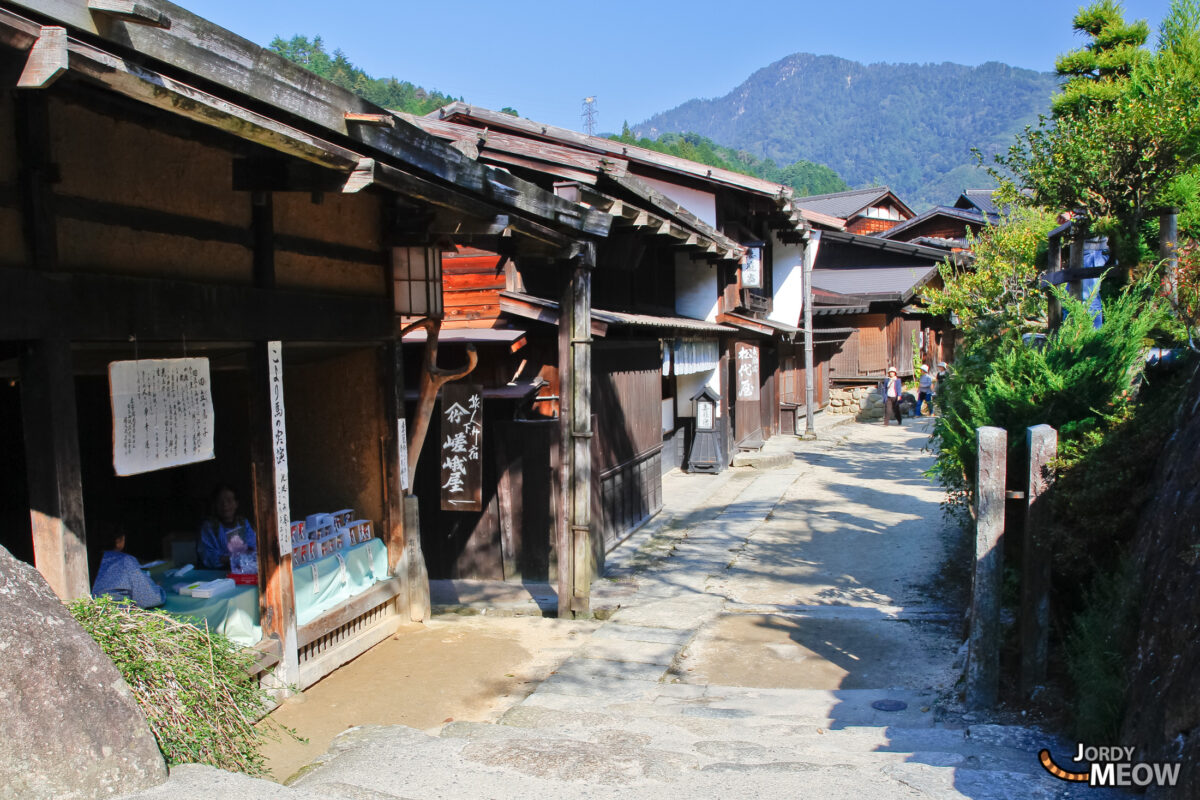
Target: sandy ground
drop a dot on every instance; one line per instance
(453, 668)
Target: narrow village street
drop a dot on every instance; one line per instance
(776, 638)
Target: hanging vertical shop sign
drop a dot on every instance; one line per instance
(162, 413)
(462, 442)
(283, 500)
(403, 448)
(747, 371)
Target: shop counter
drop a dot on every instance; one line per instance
(320, 585)
(234, 614)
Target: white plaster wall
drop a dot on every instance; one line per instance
(687, 386)
(695, 288)
(702, 204)
(787, 276)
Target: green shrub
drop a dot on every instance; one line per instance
(1102, 637)
(1076, 381)
(194, 686)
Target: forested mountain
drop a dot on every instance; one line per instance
(909, 126)
(387, 92)
(803, 176)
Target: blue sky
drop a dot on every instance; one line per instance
(638, 58)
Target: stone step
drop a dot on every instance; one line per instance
(480, 759)
(199, 782)
(764, 459)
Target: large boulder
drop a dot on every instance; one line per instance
(69, 724)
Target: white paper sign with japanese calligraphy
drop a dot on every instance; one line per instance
(462, 445)
(283, 492)
(162, 413)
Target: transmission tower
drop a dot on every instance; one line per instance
(589, 115)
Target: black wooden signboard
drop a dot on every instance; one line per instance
(747, 371)
(462, 443)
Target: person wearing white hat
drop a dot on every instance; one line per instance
(925, 391)
(893, 391)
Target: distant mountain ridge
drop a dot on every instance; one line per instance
(908, 126)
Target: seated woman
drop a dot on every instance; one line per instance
(120, 576)
(223, 530)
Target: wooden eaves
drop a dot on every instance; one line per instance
(160, 63)
(495, 119)
(564, 153)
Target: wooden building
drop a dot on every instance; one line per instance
(863, 211)
(869, 285)
(638, 332)
(757, 215)
(169, 190)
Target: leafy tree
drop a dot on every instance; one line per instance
(1000, 292)
(1097, 72)
(1126, 128)
(336, 67)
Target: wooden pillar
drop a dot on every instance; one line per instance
(396, 480)
(575, 566)
(53, 467)
(36, 175)
(272, 510)
(1042, 445)
(983, 649)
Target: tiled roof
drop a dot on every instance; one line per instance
(843, 205)
(980, 199)
(968, 215)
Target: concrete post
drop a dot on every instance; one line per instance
(1042, 444)
(983, 648)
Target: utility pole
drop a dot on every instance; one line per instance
(810, 256)
(589, 115)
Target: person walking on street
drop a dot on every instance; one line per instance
(925, 391)
(893, 390)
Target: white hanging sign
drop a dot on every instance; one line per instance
(162, 413)
(283, 499)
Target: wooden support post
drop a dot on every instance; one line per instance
(983, 649)
(262, 230)
(417, 576)
(53, 467)
(575, 567)
(395, 480)
(268, 449)
(1042, 444)
(36, 175)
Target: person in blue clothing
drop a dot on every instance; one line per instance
(925, 391)
(224, 532)
(120, 576)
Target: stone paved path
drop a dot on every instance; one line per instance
(772, 612)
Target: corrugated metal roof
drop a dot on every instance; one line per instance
(880, 283)
(843, 204)
(653, 321)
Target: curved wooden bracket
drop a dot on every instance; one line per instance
(433, 378)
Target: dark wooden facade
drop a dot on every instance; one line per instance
(149, 214)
